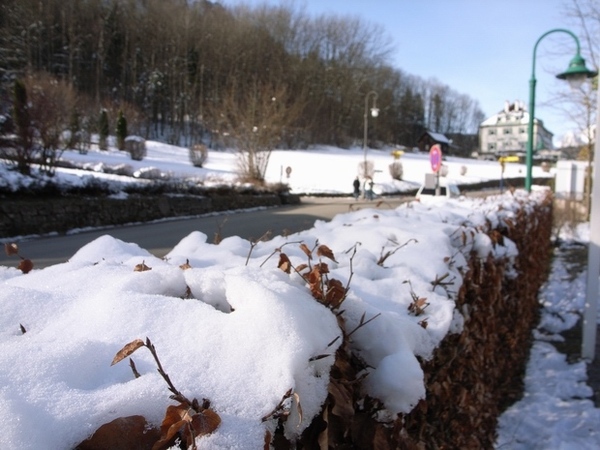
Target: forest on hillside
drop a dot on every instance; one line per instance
(189, 72)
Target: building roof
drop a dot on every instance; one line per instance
(437, 137)
(512, 114)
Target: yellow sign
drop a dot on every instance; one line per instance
(397, 154)
(505, 159)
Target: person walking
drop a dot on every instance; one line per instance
(356, 185)
(370, 193)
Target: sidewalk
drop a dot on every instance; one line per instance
(575, 260)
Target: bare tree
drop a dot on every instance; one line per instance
(51, 104)
(254, 121)
(22, 149)
(580, 104)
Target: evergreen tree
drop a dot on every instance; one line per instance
(121, 130)
(75, 130)
(103, 130)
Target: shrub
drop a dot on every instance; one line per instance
(396, 170)
(198, 154)
(148, 173)
(136, 146)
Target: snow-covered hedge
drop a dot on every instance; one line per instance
(360, 331)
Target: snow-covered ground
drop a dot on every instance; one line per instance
(250, 331)
(320, 170)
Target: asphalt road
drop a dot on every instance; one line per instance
(160, 237)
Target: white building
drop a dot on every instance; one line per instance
(506, 132)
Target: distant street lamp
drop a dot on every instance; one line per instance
(374, 113)
(575, 74)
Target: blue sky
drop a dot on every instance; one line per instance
(481, 48)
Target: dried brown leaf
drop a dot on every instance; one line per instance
(127, 351)
(267, 441)
(417, 307)
(314, 276)
(301, 267)
(141, 267)
(342, 399)
(322, 268)
(323, 250)
(298, 407)
(335, 293)
(25, 265)
(306, 250)
(11, 249)
(205, 422)
(123, 433)
(284, 263)
(174, 421)
(168, 438)
(186, 265)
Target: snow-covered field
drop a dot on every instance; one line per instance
(320, 170)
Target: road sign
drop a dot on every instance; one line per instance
(505, 159)
(435, 157)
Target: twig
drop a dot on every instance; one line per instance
(218, 236)
(383, 257)
(254, 243)
(362, 323)
(176, 394)
(278, 250)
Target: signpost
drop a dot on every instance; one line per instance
(503, 160)
(435, 158)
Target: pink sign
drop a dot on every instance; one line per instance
(435, 157)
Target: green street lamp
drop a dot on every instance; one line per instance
(575, 74)
(374, 113)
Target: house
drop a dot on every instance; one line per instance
(505, 133)
(429, 139)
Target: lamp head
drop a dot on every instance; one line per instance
(577, 72)
(374, 112)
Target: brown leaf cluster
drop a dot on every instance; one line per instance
(417, 306)
(329, 291)
(142, 267)
(186, 424)
(12, 249)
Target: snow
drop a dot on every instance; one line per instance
(250, 332)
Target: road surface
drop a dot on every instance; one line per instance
(161, 236)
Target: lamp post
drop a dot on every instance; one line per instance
(374, 113)
(590, 312)
(575, 74)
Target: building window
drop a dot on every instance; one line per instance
(507, 130)
(491, 132)
(521, 130)
(491, 147)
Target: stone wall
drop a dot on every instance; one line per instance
(28, 215)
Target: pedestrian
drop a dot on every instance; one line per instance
(356, 185)
(370, 193)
